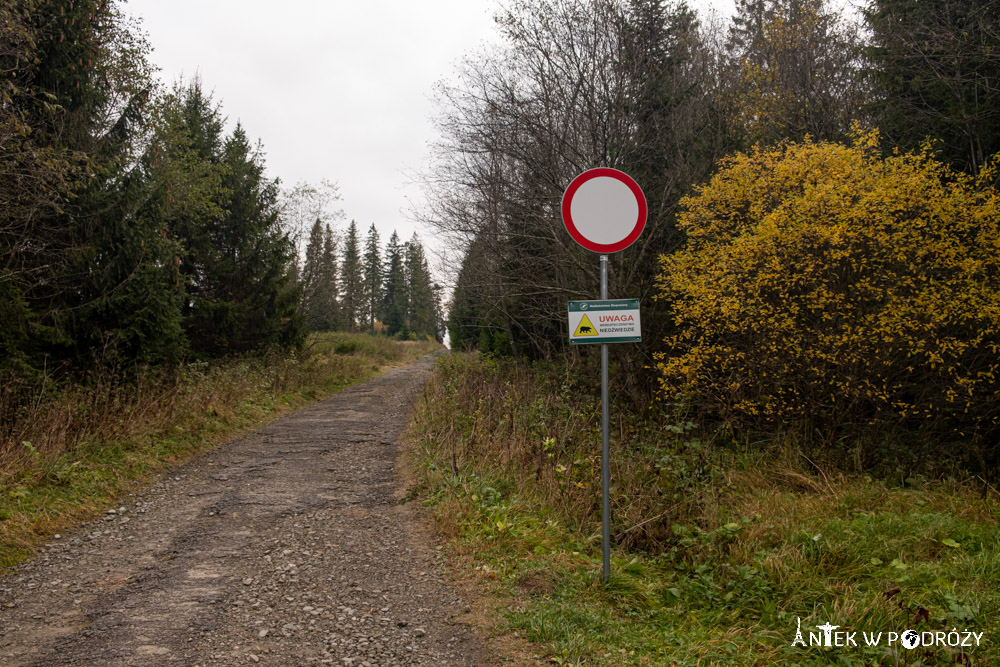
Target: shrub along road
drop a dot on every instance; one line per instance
(284, 547)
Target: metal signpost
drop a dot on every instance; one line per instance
(604, 210)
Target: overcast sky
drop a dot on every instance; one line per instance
(334, 89)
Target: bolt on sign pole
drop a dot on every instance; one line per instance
(604, 210)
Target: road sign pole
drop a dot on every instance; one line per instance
(605, 449)
(604, 211)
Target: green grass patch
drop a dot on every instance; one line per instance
(719, 551)
(80, 447)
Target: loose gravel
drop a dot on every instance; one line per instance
(288, 546)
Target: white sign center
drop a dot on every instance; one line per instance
(604, 210)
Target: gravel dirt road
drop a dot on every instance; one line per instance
(285, 547)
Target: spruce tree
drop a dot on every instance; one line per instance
(371, 269)
(470, 312)
(89, 278)
(328, 305)
(312, 280)
(126, 307)
(239, 262)
(936, 67)
(351, 280)
(394, 297)
(746, 33)
(185, 159)
(796, 67)
(440, 326)
(184, 166)
(421, 317)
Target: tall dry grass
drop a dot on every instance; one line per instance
(540, 429)
(67, 447)
(45, 421)
(718, 549)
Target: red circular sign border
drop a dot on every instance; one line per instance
(567, 202)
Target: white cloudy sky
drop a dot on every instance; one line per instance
(335, 89)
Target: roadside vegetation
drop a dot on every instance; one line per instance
(158, 286)
(720, 547)
(78, 446)
(810, 428)
(818, 447)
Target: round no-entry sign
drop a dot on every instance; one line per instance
(604, 210)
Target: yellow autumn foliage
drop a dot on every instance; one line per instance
(827, 287)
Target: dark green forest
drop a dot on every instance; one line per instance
(137, 231)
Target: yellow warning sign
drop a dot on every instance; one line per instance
(585, 328)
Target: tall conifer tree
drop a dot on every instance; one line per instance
(313, 283)
(329, 305)
(394, 296)
(796, 65)
(421, 317)
(371, 269)
(936, 66)
(238, 260)
(351, 280)
(88, 278)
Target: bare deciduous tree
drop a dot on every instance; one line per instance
(575, 85)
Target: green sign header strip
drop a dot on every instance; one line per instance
(597, 306)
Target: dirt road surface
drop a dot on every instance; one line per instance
(284, 547)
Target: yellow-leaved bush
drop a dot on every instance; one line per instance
(826, 287)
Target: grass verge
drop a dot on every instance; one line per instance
(719, 551)
(77, 448)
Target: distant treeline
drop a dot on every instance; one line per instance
(363, 289)
(134, 230)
